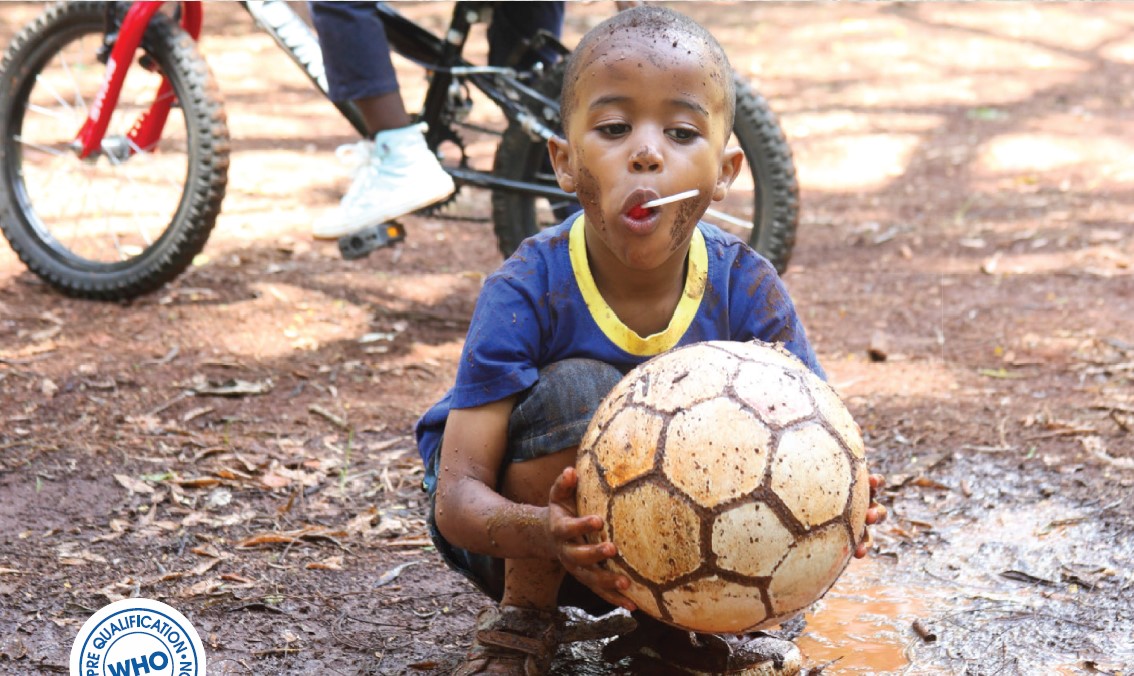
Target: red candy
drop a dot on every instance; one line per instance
(638, 213)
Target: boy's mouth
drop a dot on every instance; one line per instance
(641, 210)
(632, 208)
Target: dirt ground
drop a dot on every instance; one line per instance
(239, 443)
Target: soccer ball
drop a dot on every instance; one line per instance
(733, 482)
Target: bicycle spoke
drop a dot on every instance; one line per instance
(40, 80)
(80, 100)
(138, 219)
(47, 150)
(35, 108)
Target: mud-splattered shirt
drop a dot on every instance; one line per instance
(542, 306)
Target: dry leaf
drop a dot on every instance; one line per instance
(204, 567)
(203, 587)
(240, 579)
(392, 574)
(332, 563)
(274, 480)
(207, 550)
(267, 539)
(231, 388)
(926, 482)
(361, 524)
(198, 482)
(48, 388)
(133, 485)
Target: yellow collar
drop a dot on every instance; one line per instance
(622, 335)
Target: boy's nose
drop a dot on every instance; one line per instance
(646, 159)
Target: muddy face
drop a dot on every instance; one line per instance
(589, 191)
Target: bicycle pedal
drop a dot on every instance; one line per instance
(360, 244)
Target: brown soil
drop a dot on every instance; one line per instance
(966, 173)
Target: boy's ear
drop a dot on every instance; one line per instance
(559, 150)
(732, 159)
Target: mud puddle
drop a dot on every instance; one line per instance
(1036, 587)
(1026, 588)
(863, 627)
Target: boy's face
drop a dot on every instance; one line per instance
(648, 121)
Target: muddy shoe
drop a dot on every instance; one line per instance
(578, 625)
(675, 651)
(511, 641)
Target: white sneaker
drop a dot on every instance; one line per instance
(401, 175)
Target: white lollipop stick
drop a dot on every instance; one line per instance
(672, 198)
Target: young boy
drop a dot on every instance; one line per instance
(647, 109)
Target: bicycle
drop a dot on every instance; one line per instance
(114, 146)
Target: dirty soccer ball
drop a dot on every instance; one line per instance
(733, 482)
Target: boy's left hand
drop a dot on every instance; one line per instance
(876, 513)
(581, 559)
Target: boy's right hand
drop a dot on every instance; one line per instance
(568, 536)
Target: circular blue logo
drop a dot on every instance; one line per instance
(136, 637)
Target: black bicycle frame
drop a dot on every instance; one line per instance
(442, 58)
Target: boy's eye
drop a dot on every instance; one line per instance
(681, 134)
(615, 129)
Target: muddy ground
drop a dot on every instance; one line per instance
(966, 173)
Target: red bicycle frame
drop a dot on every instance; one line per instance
(146, 130)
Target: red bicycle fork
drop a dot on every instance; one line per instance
(146, 130)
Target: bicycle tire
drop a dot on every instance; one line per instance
(775, 206)
(160, 203)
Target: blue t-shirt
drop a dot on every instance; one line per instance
(542, 306)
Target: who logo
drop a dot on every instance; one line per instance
(137, 637)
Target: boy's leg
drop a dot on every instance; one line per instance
(515, 22)
(534, 583)
(548, 422)
(512, 24)
(356, 54)
(398, 173)
(544, 431)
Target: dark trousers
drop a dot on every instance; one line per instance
(356, 52)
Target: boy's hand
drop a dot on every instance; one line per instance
(579, 558)
(876, 513)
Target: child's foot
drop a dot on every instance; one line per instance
(683, 652)
(511, 641)
(399, 175)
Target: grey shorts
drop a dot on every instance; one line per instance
(548, 417)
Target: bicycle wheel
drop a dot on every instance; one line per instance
(762, 206)
(126, 220)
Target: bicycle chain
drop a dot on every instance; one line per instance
(437, 209)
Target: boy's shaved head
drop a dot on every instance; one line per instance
(649, 24)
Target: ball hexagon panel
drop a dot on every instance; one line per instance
(657, 533)
(835, 413)
(718, 467)
(625, 449)
(589, 493)
(815, 562)
(684, 377)
(860, 501)
(811, 473)
(776, 396)
(715, 605)
(750, 539)
(769, 354)
(640, 594)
